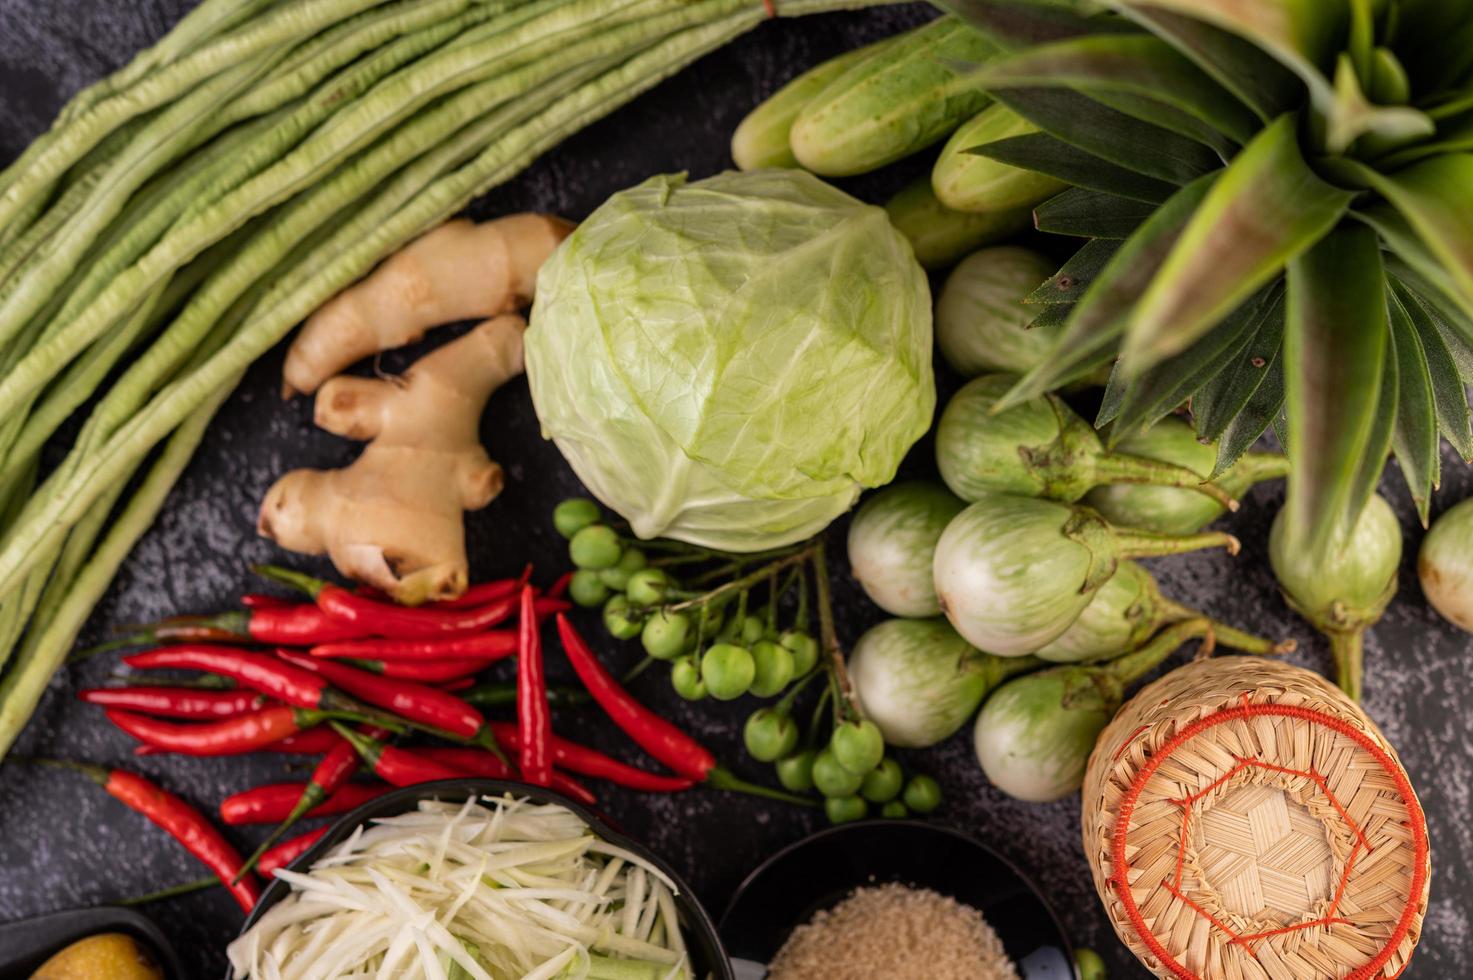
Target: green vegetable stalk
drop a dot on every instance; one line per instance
(1039, 448)
(1013, 573)
(1346, 591)
(1035, 734)
(1169, 510)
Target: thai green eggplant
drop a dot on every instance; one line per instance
(1170, 510)
(761, 139)
(1013, 573)
(910, 94)
(940, 235)
(1040, 448)
(919, 681)
(1034, 735)
(1128, 610)
(966, 181)
(981, 320)
(1345, 593)
(892, 545)
(1445, 565)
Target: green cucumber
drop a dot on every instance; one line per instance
(904, 98)
(965, 181)
(941, 236)
(761, 139)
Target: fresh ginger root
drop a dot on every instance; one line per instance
(393, 519)
(459, 271)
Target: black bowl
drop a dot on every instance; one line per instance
(820, 871)
(25, 945)
(707, 954)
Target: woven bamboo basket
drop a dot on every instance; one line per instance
(1244, 820)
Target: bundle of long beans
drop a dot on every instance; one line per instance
(185, 213)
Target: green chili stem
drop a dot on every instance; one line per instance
(174, 891)
(722, 778)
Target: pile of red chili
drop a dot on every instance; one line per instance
(340, 677)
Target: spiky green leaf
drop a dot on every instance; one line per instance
(1434, 39)
(1372, 461)
(1265, 407)
(1352, 115)
(1098, 318)
(1448, 381)
(1435, 196)
(1303, 35)
(1111, 135)
(1268, 207)
(1259, 82)
(1334, 360)
(1043, 153)
(1158, 392)
(1085, 213)
(1075, 276)
(1137, 65)
(1454, 135)
(1415, 437)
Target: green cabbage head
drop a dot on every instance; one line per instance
(729, 362)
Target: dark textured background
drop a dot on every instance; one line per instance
(63, 844)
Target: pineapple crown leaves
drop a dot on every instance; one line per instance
(1278, 198)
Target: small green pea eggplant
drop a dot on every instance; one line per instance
(1173, 510)
(1013, 573)
(1034, 735)
(1344, 591)
(1041, 448)
(892, 545)
(1126, 611)
(920, 682)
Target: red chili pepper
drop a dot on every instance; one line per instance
(313, 741)
(475, 762)
(274, 802)
(332, 774)
(176, 702)
(534, 718)
(654, 734)
(560, 587)
(291, 624)
(180, 820)
(233, 736)
(459, 684)
(285, 853)
(479, 595)
(258, 671)
(427, 705)
(386, 619)
(397, 767)
(591, 762)
(485, 647)
(261, 600)
(423, 671)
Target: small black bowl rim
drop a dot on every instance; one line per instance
(401, 800)
(54, 931)
(883, 825)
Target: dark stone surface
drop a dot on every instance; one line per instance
(63, 844)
